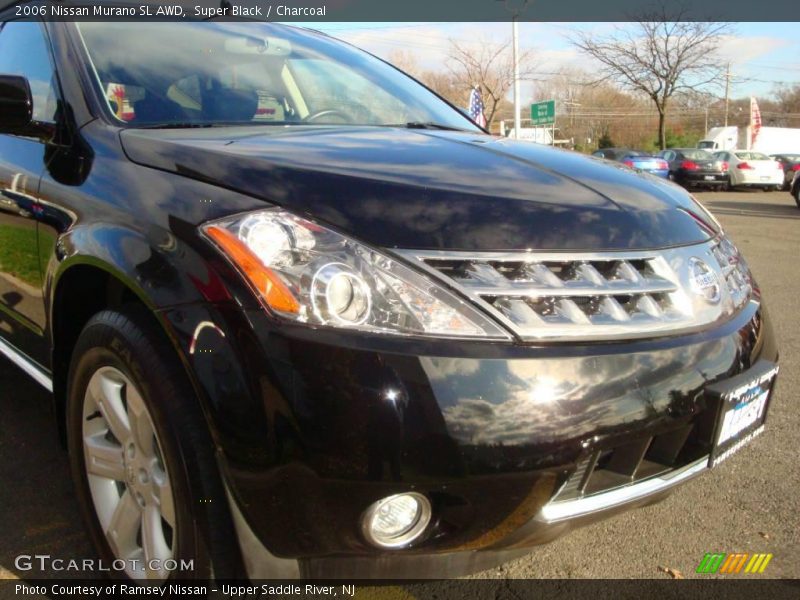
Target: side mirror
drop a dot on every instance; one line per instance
(16, 104)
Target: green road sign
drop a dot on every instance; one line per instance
(543, 113)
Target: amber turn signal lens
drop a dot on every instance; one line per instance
(266, 281)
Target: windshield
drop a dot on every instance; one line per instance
(697, 154)
(752, 156)
(212, 73)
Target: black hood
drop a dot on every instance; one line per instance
(403, 188)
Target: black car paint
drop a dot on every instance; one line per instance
(434, 190)
(304, 441)
(708, 174)
(794, 190)
(317, 398)
(790, 166)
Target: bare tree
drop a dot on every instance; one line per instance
(406, 61)
(441, 82)
(489, 66)
(659, 56)
(789, 102)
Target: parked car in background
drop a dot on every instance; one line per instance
(790, 164)
(795, 189)
(752, 169)
(693, 167)
(636, 160)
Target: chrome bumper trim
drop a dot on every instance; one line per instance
(259, 563)
(555, 512)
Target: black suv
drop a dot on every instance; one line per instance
(301, 317)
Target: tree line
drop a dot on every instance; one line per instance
(658, 82)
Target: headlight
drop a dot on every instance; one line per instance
(310, 274)
(735, 271)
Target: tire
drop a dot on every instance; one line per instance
(123, 368)
(797, 196)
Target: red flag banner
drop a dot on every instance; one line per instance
(755, 121)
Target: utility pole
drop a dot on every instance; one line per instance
(515, 48)
(519, 6)
(727, 91)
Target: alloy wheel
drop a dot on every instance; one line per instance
(128, 480)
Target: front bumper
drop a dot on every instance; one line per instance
(488, 432)
(261, 564)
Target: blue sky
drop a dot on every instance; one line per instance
(762, 55)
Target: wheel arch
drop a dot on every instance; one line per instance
(84, 286)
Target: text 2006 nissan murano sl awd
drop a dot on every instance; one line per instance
(302, 318)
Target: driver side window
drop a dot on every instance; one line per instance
(24, 51)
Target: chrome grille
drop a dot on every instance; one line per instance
(593, 295)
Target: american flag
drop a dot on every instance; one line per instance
(755, 121)
(476, 107)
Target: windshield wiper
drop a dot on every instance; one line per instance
(195, 124)
(431, 125)
(175, 125)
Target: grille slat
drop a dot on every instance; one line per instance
(648, 456)
(484, 274)
(611, 307)
(607, 295)
(665, 448)
(518, 311)
(626, 459)
(523, 288)
(568, 309)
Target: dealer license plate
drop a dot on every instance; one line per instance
(742, 402)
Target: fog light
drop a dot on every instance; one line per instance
(396, 521)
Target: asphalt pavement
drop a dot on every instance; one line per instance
(751, 503)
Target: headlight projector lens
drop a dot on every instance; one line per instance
(340, 295)
(396, 521)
